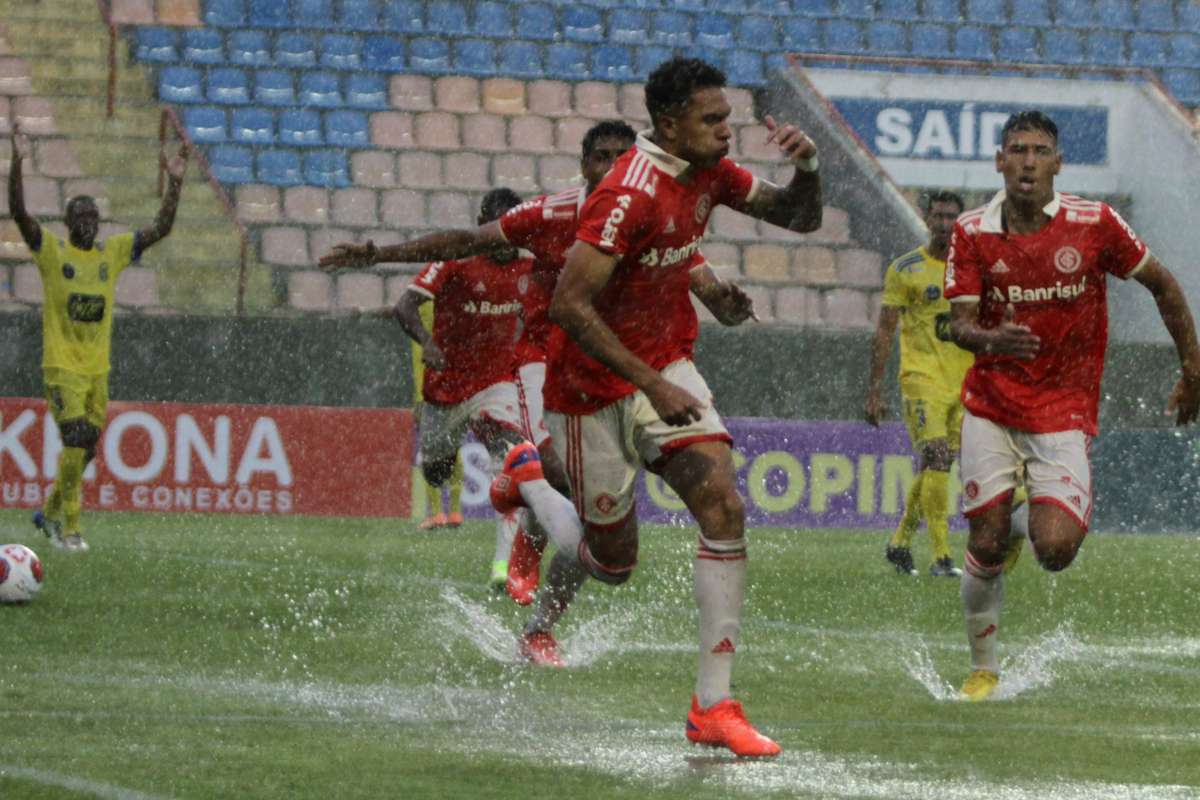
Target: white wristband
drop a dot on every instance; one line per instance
(809, 164)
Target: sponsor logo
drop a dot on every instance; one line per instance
(486, 308)
(1068, 260)
(971, 490)
(988, 631)
(671, 255)
(1041, 294)
(85, 307)
(608, 236)
(605, 503)
(999, 268)
(703, 207)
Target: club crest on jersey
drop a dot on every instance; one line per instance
(523, 284)
(1068, 260)
(703, 207)
(68, 271)
(933, 292)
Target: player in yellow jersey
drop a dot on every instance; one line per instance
(79, 275)
(432, 495)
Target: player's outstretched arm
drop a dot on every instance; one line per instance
(407, 312)
(440, 246)
(724, 300)
(1173, 308)
(875, 408)
(797, 206)
(1006, 339)
(165, 220)
(31, 232)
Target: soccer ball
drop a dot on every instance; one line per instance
(20, 573)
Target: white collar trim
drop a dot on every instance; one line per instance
(993, 215)
(672, 165)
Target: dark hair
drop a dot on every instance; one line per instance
(79, 200)
(672, 83)
(1029, 120)
(609, 127)
(942, 196)
(496, 202)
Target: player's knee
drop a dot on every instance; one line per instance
(614, 572)
(723, 514)
(438, 472)
(79, 433)
(1055, 556)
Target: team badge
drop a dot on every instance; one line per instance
(933, 292)
(103, 272)
(68, 271)
(605, 503)
(703, 206)
(1068, 260)
(971, 490)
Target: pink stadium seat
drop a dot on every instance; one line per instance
(531, 134)
(504, 96)
(468, 171)
(596, 100)
(815, 266)
(411, 92)
(12, 246)
(257, 202)
(6, 114)
(797, 305)
(403, 208)
(517, 172)
(728, 224)
(753, 146)
(373, 168)
(453, 209)
(323, 240)
(42, 196)
(355, 207)
(559, 172)
(550, 98)
(359, 290)
(457, 93)
(742, 103)
(137, 287)
(310, 290)
(835, 226)
(632, 103)
(56, 159)
(847, 308)
(569, 133)
(15, 77)
(391, 129)
(420, 170)
(857, 267)
(285, 245)
(133, 12)
(485, 132)
(27, 284)
(767, 262)
(724, 258)
(437, 130)
(177, 12)
(761, 297)
(396, 286)
(35, 115)
(306, 204)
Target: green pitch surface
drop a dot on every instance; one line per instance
(226, 657)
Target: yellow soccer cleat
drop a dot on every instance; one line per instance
(980, 685)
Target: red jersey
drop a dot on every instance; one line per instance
(1055, 281)
(545, 226)
(653, 222)
(477, 312)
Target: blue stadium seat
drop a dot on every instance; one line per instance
(493, 19)
(672, 29)
(801, 33)
(231, 164)
(843, 36)
(887, 38)
(744, 68)
(180, 85)
(859, 9)
(1189, 17)
(340, 51)
(1017, 45)
(279, 167)
(1155, 15)
(973, 42)
(930, 40)
(1184, 84)
(536, 21)
(403, 16)
(228, 85)
(1062, 46)
(319, 90)
(1185, 50)
(326, 168)
(626, 26)
(475, 57)
(944, 11)
(295, 50)
(225, 13)
(986, 11)
(1148, 49)
(758, 33)
(300, 128)
(712, 30)
(1030, 12)
(366, 91)
(521, 60)
(347, 129)
(249, 49)
(384, 54)
(359, 15)
(313, 14)
(1076, 14)
(688, 6)
(205, 124)
(157, 45)
(814, 8)
(252, 125)
(268, 14)
(904, 10)
(650, 56)
(613, 63)
(1115, 13)
(273, 87)
(446, 18)
(1104, 48)
(582, 24)
(567, 62)
(428, 56)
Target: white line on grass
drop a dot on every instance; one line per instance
(82, 785)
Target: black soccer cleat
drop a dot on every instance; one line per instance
(902, 558)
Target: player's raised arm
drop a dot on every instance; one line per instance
(875, 408)
(407, 312)
(1177, 317)
(725, 300)
(165, 220)
(439, 246)
(31, 232)
(797, 206)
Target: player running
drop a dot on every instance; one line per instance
(79, 278)
(1026, 279)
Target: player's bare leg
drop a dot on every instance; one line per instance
(982, 594)
(1055, 535)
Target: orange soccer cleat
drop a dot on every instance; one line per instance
(432, 521)
(724, 724)
(521, 464)
(540, 648)
(454, 519)
(524, 568)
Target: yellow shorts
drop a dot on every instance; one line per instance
(929, 418)
(74, 396)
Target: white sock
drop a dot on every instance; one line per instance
(555, 513)
(506, 530)
(564, 576)
(720, 585)
(982, 599)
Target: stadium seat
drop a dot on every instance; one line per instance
(814, 8)
(930, 40)
(474, 57)
(384, 54)
(1104, 48)
(649, 57)
(340, 51)
(228, 85)
(626, 26)
(1155, 15)
(1030, 12)
(274, 87)
(180, 85)
(1148, 49)
(1115, 13)
(366, 91)
(268, 14)
(712, 30)
(973, 42)
(1189, 17)
(1075, 13)
(359, 15)
(446, 18)
(253, 125)
(347, 129)
(231, 164)
(859, 9)
(582, 24)
(536, 21)
(944, 11)
(225, 13)
(300, 128)
(403, 16)
(986, 11)
(1184, 84)
(294, 49)
(319, 90)
(567, 62)
(613, 63)
(1062, 46)
(521, 60)
(249, 49)
(326, 168)
(1017, 45)
(156, 45)
(903, 10)
(758, 33)
(313, 14)
(428, 56)
(843, 36)
(671, 29)
(1185, 50)
(887, 38)
(279, 167)
(801, 33)
(205, 124)
(744, 68)
(493, 19)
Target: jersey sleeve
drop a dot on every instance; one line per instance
(46, 256)
(521, 225)
(432, 278)
(964, 273)
(120, 251)
(738, 185)
(894, 294)
(615, 218)
(1124, 252)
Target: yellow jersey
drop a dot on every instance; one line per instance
(78, 287)
(426, 311)
(929, 361)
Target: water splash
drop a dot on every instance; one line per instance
(474, 623)
(919, 666)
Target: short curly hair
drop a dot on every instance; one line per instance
(672, 83)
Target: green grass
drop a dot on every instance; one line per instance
(222, 657)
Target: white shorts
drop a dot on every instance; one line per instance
(1056, 467)
(604, 451)
(531, 382)
(443, 427)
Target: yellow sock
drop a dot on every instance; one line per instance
(69, 487)
(912, 515)
(934, 501)
(435, 500)
(1019, 496)
(456, 487)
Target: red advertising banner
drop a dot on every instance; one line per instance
(354, 462)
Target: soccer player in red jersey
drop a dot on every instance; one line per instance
(1026, 279)
(621, 386)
